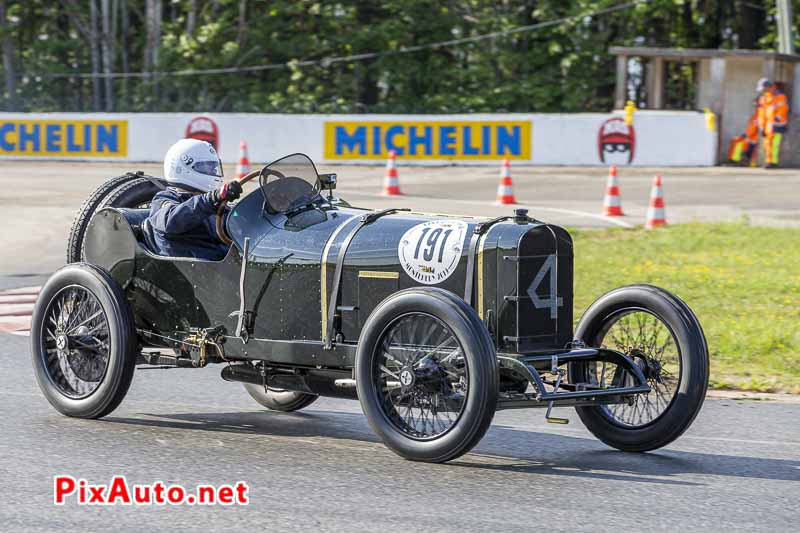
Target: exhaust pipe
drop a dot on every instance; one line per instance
(243, 373)
(320, 382)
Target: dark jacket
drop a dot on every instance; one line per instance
(183, 224)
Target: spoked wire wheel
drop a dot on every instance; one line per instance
(422, 376)
(648, 341)
(83, 341)
(426, 374)
(76, 342)
(661, 335)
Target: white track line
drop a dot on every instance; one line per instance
(22, 291)
(532, 207)
(9, 324)
(16, 309)
(610, 220)
(17, 299)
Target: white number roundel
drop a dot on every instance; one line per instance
(429, 252)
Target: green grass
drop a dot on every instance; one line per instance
(742, 282)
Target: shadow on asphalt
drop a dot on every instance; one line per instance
(503, 448)
(335, 425)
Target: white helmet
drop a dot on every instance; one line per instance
(193, 164)
(763, 83)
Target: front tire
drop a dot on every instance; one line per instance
(83, 342)
(661, 334)
(426, 374)
(280, 400)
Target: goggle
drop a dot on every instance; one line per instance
(210, 168)
(616, 147)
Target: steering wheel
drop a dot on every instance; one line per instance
(221, 209)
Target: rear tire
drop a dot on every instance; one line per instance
(280, 400)
(670, 337)
(83, 342)
(129, 190)
(426, 373)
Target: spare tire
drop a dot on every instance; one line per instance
(129, 190)
(280, 400)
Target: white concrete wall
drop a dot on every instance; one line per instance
(662, 138)
(739, 91)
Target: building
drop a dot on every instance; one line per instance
(722, 80)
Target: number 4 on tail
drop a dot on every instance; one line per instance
(553, 300)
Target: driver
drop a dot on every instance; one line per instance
(182, 221)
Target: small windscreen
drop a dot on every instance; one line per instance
(289, 183)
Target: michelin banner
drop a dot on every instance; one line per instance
(655, 138)
(64, 138)
(436, 140)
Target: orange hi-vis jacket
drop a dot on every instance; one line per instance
(751, 131)
(773, 112)
(764, 102)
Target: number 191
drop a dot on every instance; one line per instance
(430, 243)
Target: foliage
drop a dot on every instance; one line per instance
(564, 67)
(750, 319)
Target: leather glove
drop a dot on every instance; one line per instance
(227, 193)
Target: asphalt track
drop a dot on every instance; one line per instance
(322, 469)
(40, 199)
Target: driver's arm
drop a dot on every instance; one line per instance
(172, 217)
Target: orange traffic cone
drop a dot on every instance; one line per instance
(656, 215)
(612, 205)
(505, 190)
(243, 166)
(391, 185)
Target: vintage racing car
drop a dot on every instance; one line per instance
(432, 322)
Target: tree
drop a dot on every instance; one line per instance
(64, 55)
(94, 45)
(8, 59)
(153, 18)
(107, 47)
